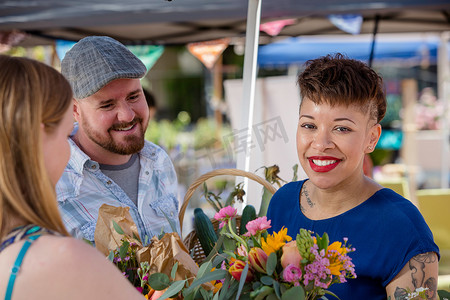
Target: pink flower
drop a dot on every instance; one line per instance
(224, 215)
(291, 255)
(140, 289)
(257, 226)
(292, 274)
(242, 251)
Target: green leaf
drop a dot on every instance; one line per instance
(88, 241)
(110, 256)
(224, 291)
(172, 224)
(271, 263)
(205, 294)
(190, 296)
(216, 297)
(174, 271)
(330, 293)
(230, 200)
(295, 293)
(136, 237)
(261, 293)
(325, 240)
(173, 289)
(283, 288)
(444, 294)
(214, 275)
(117, 227)
(123, 250)
(266, 197)
(232, 290)
(242, 281)
(204, 268)
(276, 287)
(217, 260)
(295, 169)
(272, 297)
(267, 280)
(159, 281)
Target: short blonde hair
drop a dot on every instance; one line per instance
(31, 94)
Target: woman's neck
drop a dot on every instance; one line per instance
(318, 204)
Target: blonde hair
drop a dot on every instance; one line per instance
(31, 94)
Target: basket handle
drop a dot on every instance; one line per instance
(206, 176)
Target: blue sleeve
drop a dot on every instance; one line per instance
(406, 234)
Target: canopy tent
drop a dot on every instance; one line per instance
(409, 49)
(183, 21)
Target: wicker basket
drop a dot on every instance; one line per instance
(191, 241)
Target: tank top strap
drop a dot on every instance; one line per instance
(29, 233)
(21, 233)
(18, 263)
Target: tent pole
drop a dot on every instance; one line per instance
(249, 82)
(444, 96)
(375, 31)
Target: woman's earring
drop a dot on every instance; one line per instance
(369, 148)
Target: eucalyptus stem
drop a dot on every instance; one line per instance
(236, 237)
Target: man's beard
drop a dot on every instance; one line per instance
(130, 145)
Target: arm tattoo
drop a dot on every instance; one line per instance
(417, 267)
(431, 284)
(400, 294)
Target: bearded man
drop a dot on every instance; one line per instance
(111, 162)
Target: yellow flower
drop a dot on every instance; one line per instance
(333, 252)
(217, 284)
(217, 287)
(275, 241)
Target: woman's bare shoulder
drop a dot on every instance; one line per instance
(73, 268)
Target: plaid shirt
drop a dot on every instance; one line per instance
(83, 188)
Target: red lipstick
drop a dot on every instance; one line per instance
(323, 164)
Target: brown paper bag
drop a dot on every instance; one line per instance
(106, 237)
(163, 254)
(160, 254)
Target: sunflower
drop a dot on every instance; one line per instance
(275, 241)
(335, 253)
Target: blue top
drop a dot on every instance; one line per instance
(387, 230)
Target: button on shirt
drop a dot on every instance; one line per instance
(83, 188)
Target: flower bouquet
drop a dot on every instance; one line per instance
(257, 265)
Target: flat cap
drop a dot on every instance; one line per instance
(95, 61)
